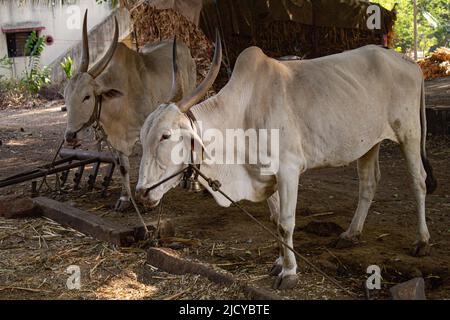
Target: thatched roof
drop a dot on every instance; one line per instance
(239, 17)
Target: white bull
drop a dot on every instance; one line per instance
(130, 85)
(329, 111)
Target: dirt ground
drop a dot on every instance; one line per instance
(36, 252)
(438, 92)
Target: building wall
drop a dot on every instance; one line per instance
(100, 38)
(55, 20)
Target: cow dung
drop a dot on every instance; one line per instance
(323, 228)
(14, 207)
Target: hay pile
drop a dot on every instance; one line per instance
(303, 28)
(437, 65)
(275, 37)
(152, 25)
(280, 38)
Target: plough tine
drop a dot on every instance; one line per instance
(93, 177)
(77, 178)
(108, 178)
(34, 191)
(64, 176)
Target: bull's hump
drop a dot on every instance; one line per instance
(250, 56)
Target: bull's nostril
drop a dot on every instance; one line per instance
(140, 193)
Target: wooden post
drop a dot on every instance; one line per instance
(90, 224)
(315, 35)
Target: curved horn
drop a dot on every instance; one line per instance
(176, 93)
(85, 54)
(186, 103)
(103, 63)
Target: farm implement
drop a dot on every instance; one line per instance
(69, 159)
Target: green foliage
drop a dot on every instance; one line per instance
(67, 67)
(429, 36)
(6, 62)
(35, 77)
(5, 83)
(8, 84)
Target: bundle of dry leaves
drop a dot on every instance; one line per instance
(437, 65)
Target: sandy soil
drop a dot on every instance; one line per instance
(35, 253)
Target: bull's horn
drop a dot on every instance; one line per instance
(176, 93)
(85, 54)
(103, 63)
(186, 103)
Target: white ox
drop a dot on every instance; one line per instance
(329, 111)
(131, 85)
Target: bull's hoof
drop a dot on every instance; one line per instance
(420, 249)
(345, 241)
(275, 270)
(285, 282)
(122, 205)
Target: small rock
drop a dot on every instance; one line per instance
(413, 289)
(12, 207)
(166, 229)
(328, 265)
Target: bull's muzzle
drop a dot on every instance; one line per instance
(142, 195)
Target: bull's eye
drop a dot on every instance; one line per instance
(165, 136)
(86, 98)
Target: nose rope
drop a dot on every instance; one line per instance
(165, 180)
(188, 169)
(133, 202)
(95, 122)
(215, 185)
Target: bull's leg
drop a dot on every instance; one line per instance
(369, 176)
(274, 207)
(124, 168)
(411, 149)
(287, 188)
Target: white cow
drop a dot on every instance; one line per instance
(329, 111)
(131, 85)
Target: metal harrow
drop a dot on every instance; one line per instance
(70, 159)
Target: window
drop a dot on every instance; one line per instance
(16, 42)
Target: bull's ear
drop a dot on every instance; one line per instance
(112, 94)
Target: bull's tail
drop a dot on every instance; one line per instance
(430, 182)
